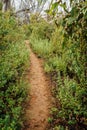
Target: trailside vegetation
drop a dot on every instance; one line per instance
(13, 59)
(64, 48)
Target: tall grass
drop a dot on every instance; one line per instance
(41, 47)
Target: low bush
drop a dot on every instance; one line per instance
(65, 59)
(39, 28)
(13, 59)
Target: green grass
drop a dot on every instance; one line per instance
(41, 47)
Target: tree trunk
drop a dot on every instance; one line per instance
(6, 5)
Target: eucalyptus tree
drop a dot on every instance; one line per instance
(28, 7)
(24, 8)
(7, 4)
(33, 5)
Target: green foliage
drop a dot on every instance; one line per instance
(65, 59)
(41, 47)
(40, 32)
(39, 28)
(0, 6)
(71, 80)
(13, 58)
(49, 119)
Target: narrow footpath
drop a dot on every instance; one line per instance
(38, 109)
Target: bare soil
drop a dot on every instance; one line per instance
(38, 107)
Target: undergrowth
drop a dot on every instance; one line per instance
(65, 60)
(13, 61)
(41, 47)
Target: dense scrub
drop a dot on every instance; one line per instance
(13, 58)
(40, 33)
(65, 55)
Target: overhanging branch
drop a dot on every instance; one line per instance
(22, 10)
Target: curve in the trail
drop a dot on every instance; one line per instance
(37, 111)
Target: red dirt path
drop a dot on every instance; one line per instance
(37, 111)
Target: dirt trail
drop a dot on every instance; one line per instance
(37, 111)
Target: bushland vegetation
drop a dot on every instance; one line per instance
(13, 61)
(63, 47)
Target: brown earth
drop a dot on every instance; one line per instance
(38, 108)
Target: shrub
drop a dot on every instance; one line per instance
(39, 28)
(13, 58)
(65, 58)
